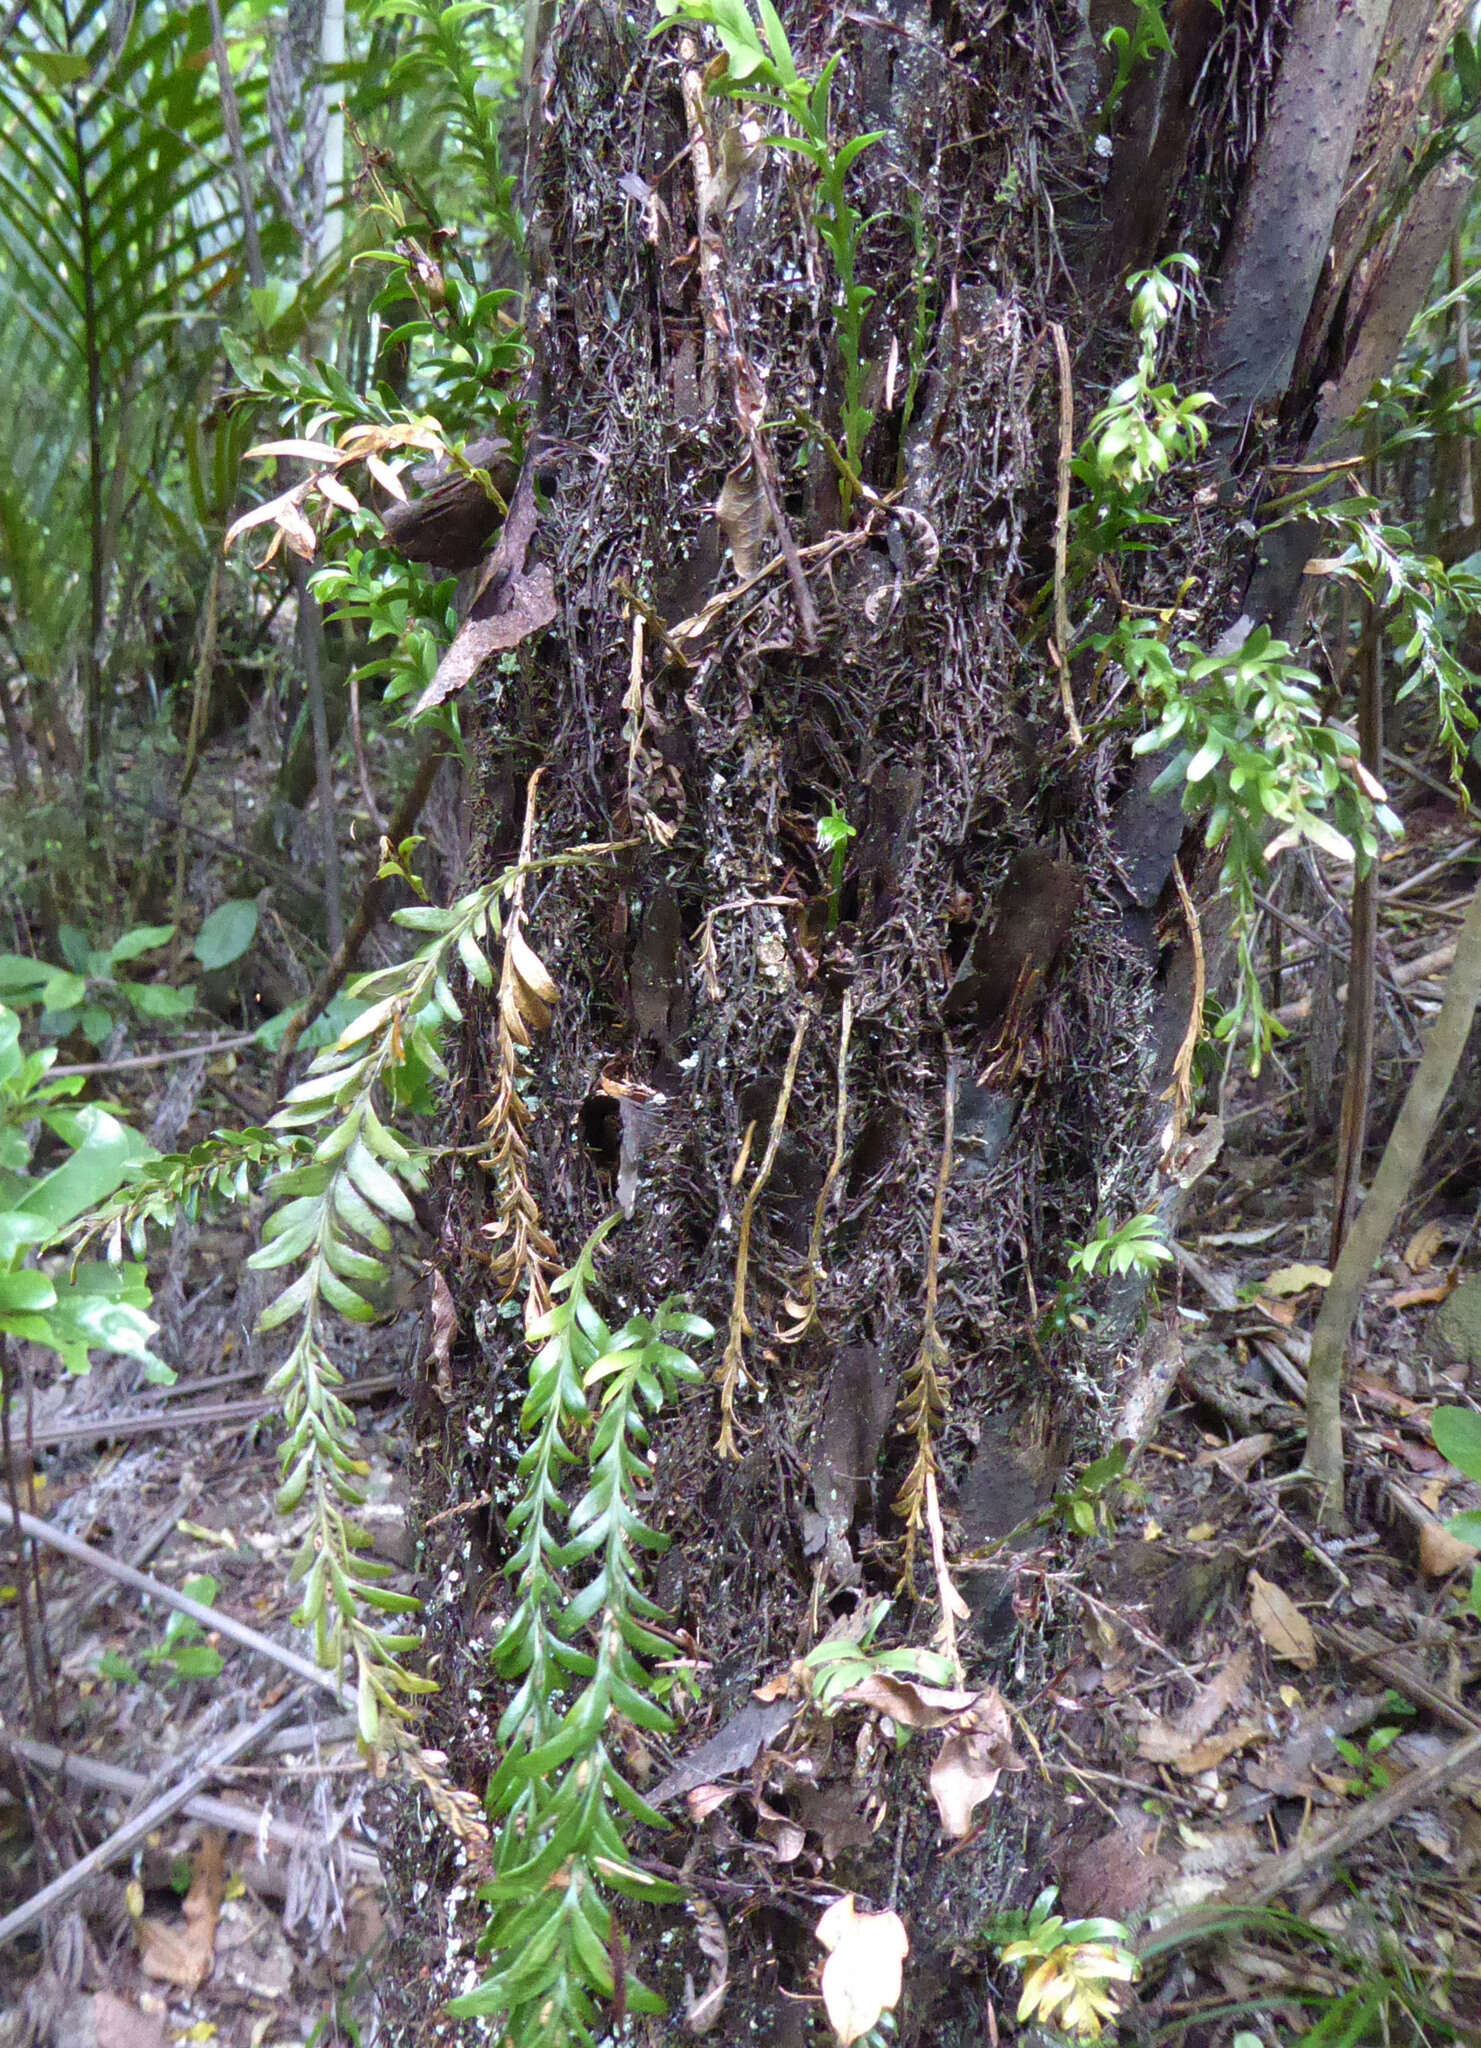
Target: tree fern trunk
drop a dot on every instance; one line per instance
(1007, 922)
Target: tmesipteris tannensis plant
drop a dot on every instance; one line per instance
(340, 1174)
(558, 1799)
(760, 68)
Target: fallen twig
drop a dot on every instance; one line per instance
(256, 1821)
(143, 1824)
(1402, 1158)
(732, 1364)
(156, 1589)
(209, 1412)
(1280, 1873)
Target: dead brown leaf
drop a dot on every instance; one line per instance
(908, 1701)
(1417, 1297)
(1208, 1755)
(1286, 1280)
(971, 1760)
(1440, 1553)
(1280, 1624)
(117, 2024)
(530, 608)
(701, 2013)
(444, 1332)
(864, 1973)
(1162, 1742)
(1419, 1253)
(184, 1955)
(744, 517)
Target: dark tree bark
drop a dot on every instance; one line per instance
(1009, 919)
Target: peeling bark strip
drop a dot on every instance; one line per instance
(1284, 225)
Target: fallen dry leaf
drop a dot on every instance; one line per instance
(444, 1332)
(1417, 1297)
(908, 1701)
(530, 608)
(1295, 1280)
(744, 517)
(701, 2013)
(1280, 1624)
(971, 1760)
(1164, 1742)
(1419, 1253)
(1208, 1755)
(863, 1975)
(184, 1955)
(117, 2024)
(1440, 1553)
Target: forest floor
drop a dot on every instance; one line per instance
(1224, 1682)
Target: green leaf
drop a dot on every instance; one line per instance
(26, 1293)
(96, 1169)
(196, 1660)
(1457, 1433)
(226, 934)
(144, 938)
(158, 1000)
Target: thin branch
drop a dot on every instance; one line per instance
(156, 1589)
(1062, 536)
(259, 1822)
(1402, 1159)
(125, 1839)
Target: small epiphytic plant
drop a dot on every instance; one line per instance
(761, 69)
(1139, 1245)
(839, 1663)
(1070, 1966)
(331, 1219)
(1085, 1506)
(182, 1650)
(341, 1174)
(559, 1800)
(835, 835)
(1144, 39)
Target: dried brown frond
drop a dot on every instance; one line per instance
(527, 997)
(460, 1811)
(805, 1307)
(732, 1365)
(923, 1403)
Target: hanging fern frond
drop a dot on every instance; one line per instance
(561, 1804)
(333, 1212)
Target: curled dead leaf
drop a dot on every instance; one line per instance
(1288, 1280)
(744, 517)
(701, 2012)
(1280, 1624)
(864, 1973)
(1440, 1553)
(973, 1756)
(531, 606)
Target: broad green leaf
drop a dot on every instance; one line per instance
(96, 1169)
(1457, 1433)
(144, 938)
(26, 1292)
(226, 933)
